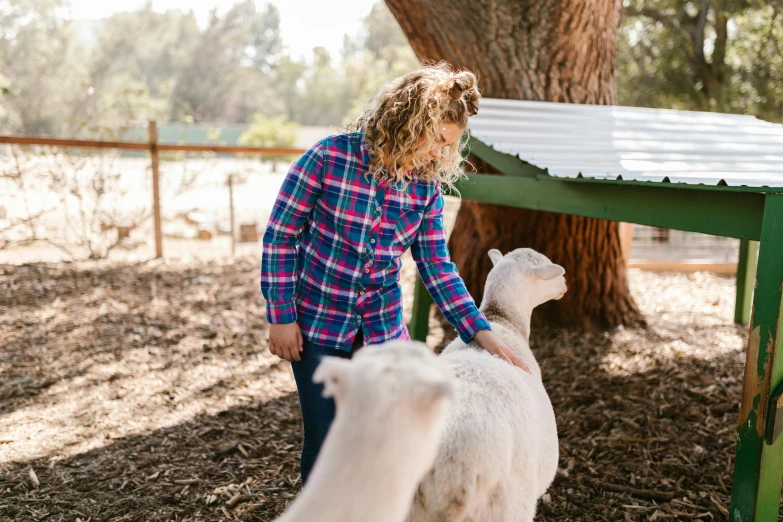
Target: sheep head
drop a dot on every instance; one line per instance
(525, 274)
(396, 378)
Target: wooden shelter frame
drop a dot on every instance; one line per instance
(752, 214)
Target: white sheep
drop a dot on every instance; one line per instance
(391, 403)
(499, 450)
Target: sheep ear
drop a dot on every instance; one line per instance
(547, 272)
(430, 392)
(495, 255)
(332, 373)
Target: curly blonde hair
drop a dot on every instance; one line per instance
(401, 124)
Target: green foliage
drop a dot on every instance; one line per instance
(715, 55)
(381, 52)
(84, 78)
(78, 78)
(42, 61)
(134, 66)
(270, 132)
(276, 131)
(325, 92)
(757, 61)
(226, 77)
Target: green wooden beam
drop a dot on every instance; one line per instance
(746, 278)
(420, 317)
(758, 465)
(654, 205)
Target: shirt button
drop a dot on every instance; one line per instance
(361, 293)
(366, 270)
(372, 241)
(358, 316)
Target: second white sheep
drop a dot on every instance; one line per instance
(499, 451)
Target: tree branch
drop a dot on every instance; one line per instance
(697, 32)
(675, 23)
(667, 19)
(721, 41)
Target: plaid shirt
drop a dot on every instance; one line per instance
(332, 250)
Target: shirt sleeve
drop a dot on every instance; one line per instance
(440, 275)
(295, 201)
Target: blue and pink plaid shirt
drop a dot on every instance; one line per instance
(333, 247)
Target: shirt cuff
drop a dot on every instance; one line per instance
(471, 325)
(281, 313)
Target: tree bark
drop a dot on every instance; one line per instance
(545, 50)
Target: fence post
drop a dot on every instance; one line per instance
(746, 280)
(420, 318)
(231, 208)
(153, 131)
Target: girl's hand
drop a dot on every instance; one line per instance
(285, 341)
(490, 342)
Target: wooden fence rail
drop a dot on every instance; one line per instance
(154, 148)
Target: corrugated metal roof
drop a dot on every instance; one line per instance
(611, 142)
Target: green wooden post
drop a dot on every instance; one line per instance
(420, 318)
(758, 466)
(746, 278)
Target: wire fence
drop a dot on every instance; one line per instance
(75, 199)
(72, 199)
(664, 249)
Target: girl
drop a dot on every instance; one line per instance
(347, 211)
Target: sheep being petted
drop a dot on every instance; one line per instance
(391, 402)
(499, 450)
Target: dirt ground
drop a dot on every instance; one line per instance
(145, 392)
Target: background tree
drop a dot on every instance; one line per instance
(92, 78)
(227, 71)
(711, 55)
(325, 98)
(134, 62)
(377, 54)
(550, 50)
(270, 132)
(330, 90)
(42, 61)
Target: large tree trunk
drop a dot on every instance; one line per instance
(545, 50)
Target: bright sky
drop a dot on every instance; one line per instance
(304, 23)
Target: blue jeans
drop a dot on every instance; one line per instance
(317, 412)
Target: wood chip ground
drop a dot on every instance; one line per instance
(145, 392)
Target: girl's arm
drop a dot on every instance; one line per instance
(295, 201)
(447, 288)
(440, 275)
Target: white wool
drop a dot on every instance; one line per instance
(391, 403)
(499, 450)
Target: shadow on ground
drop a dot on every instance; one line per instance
(170, 408)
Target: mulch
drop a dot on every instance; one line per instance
(145, 392)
